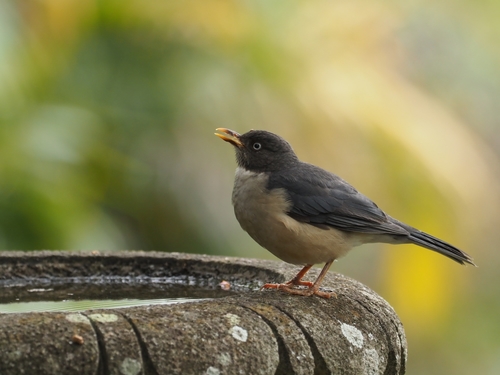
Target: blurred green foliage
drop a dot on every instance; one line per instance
(107, 110)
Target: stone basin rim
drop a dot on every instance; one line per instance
(357, 332)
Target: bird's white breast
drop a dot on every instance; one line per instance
(262, 213)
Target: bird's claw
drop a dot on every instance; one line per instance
(311, 290)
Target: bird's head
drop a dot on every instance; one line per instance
(259, 150)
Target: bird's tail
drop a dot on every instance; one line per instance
(432, 243)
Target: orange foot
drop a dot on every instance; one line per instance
(288, 284)
(311, 290)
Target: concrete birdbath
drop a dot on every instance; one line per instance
(214, 331)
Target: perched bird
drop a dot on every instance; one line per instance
(306, 215)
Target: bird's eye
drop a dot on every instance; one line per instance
(257, 146)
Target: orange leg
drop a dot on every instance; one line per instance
(297, 280)
(313, 288)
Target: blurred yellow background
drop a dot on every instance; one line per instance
(108, 108)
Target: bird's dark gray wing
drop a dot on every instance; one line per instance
(323, 199)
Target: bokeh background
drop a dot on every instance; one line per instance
(108, 108)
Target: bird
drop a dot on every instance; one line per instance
(305, 215)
